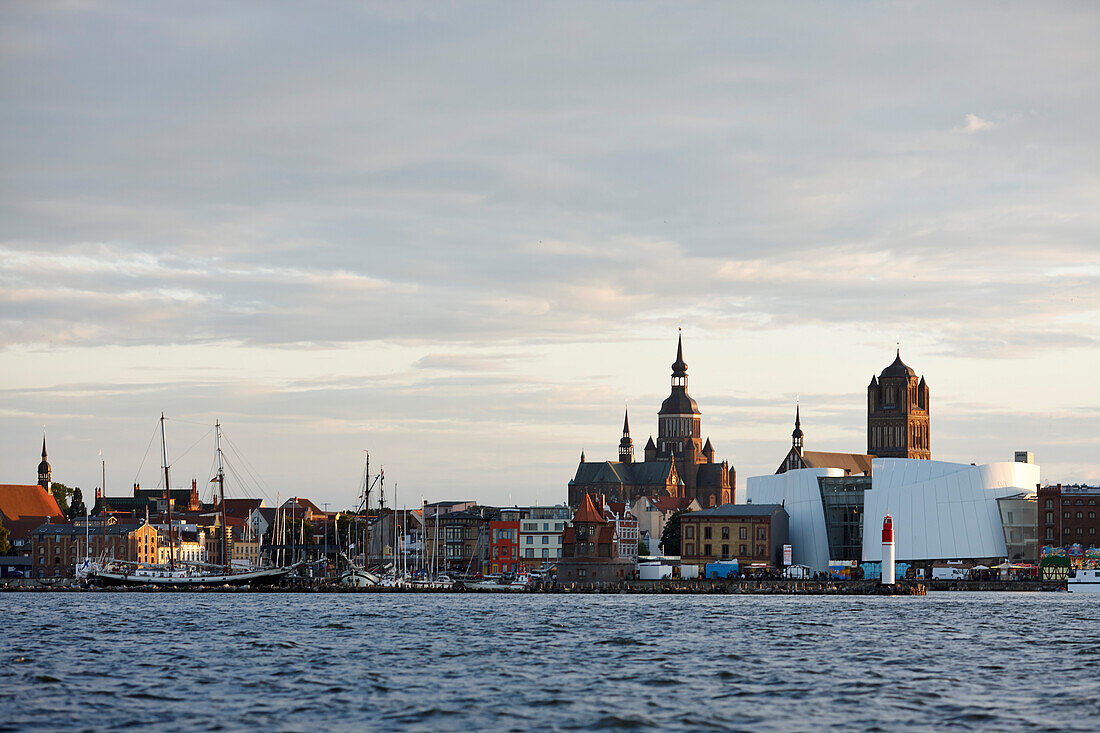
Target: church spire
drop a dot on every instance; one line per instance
(679, 367)
(44, 467)
(626, 445)
(796, 434)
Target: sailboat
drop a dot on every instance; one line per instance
(184, 574)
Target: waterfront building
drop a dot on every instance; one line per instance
(653, 514)
(626, 529)
(751, 534)
(1067, 515)
(188, 544)
(589, 549)
(504, 541)
(1019, 516)
(57, 548)
(457, 541)
(940, 510)
(678, 464)
(540, 535)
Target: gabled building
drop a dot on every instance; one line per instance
(590, 551)
(852, 464)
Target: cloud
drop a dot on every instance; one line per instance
(281, 193)
(976, 124)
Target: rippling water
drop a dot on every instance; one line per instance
(207, 661)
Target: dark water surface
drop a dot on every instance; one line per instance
(206, 661)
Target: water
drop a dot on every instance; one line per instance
(298, 662)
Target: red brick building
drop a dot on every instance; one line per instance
(589, 548)
(1067, 515)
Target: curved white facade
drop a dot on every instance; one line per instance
(942, 511)
(800, 495)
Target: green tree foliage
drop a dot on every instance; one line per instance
(643, 548)
(76, 506)
(670, 537)
(63, 494)
(5, 546)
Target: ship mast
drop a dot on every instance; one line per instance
(221, 494)
(168, 494)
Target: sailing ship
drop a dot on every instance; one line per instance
(184, 574)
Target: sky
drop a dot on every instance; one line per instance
(462, 236)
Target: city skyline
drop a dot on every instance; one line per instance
(464, 237)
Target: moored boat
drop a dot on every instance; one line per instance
(1083, 581)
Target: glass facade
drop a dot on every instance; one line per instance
(842, 500)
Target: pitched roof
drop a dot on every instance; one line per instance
(18, 501)
(853, 463)
(738, 510)
(672, 503)
(588, 511)
(241, 507)
(617, 472)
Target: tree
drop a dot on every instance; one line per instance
(62, 493)
(670, 537)
(643, 547)
(5, 546)
(76, 506)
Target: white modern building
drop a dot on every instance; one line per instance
(940, 510)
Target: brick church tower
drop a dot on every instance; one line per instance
(897, 414)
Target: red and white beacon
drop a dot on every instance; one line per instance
(887, 550)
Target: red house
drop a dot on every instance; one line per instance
(504, 543)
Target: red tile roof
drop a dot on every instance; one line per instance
(25, 502)
(588, 511)
(672, 503)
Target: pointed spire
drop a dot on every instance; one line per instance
(679, 367)
(582, 455)
(796, 434)
(626, 423)
(43, 445)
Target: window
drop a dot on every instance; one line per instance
(1067, 530)
(545, 553)
(1066, 515)
(725, 551)
(706, 549)
(706, 534)
(761, 551)
(546, 539)
(557, 526)
(689, 531)
(1050, 533)
(744, 535)
(1092, 530)
(530, 552)
(743, 550)
(1050, 517)
(1080, 531)
(725, 533)
(761, 533)
(689, 548)
(546, 526)
(530, 540)
(1092, 515)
